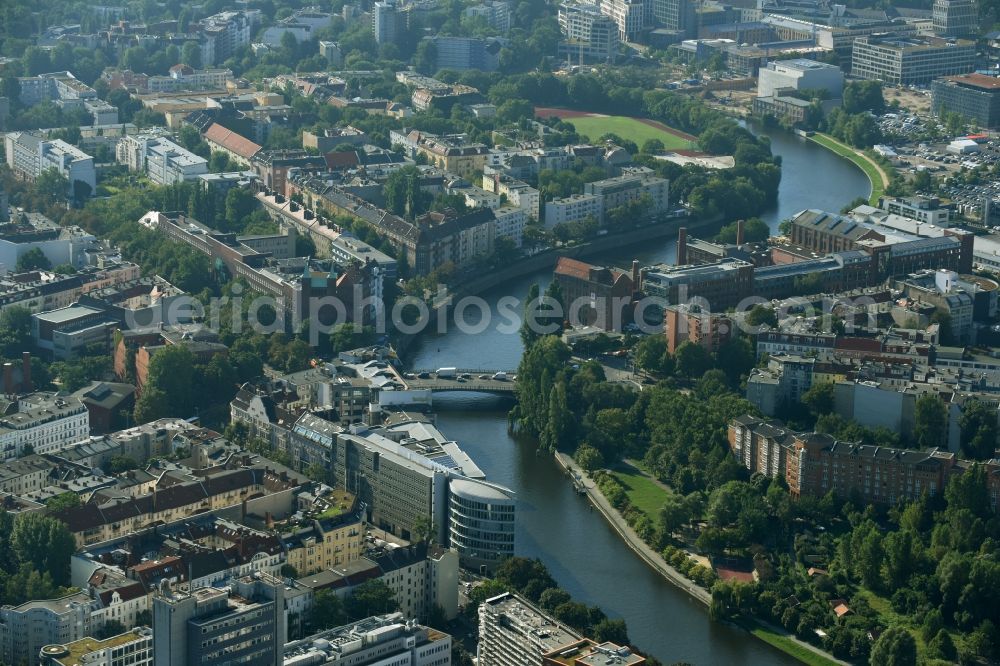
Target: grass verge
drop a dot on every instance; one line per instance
(643, 493)
(863, 163)
(786, 645)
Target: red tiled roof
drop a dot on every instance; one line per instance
(342, 159)
(573, 268)
(231, 141)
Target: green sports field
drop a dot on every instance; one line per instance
(627, 128)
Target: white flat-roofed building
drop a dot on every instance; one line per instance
(511, 221)
(185, 77)
(28, 156)
(163, 160)
(800, 74)
(574, 208)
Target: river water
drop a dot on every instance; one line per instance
(586, 557)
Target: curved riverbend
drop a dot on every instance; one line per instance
(584, 554)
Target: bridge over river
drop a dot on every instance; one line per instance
(464, 379)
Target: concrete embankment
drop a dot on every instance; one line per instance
(620, 525)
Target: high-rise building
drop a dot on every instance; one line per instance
(628, 15)
(587, 33)
(243, 623)
(676, 15)
(955, 18)
(384, 21)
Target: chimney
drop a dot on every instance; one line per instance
(739, 232)
(8, 378)
(26, 385)
(682, 246)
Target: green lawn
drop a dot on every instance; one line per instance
(643, 493)
(788, 646)
(627, 128)
(865, 164)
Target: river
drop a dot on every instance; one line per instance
(586, 557)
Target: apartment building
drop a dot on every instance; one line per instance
(513, 632)
(96, 522)
(375, 641)
(574, 208)
(385, 21)
(28, 155)
(815, 464)
(973, 96)
(688, 323)
(66, 92)
(517, 192)
(224, 33)
(629, 187)
(243, 623)
(463, 53)
(452, 153)
(45, 422)
(910, 60)
(237, 147)
(161, 159)
(185, 77)
(326, 543)
(496, 14)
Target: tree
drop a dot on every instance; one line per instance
(52, 184)
(191, 54)
(589, 458)
(68, 500)
(45, 543)
(119, 464)
(240, 203)
(692, 359)
(32, 260)
(931, 420)
(651, 353)
(942, 647)
(860, 96)
(895, 647)
(819, 398)
(674, 513)
(761, 315)
(373, 597)
(327, 611)
(978, 430)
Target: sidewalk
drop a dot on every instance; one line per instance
(652, 558)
